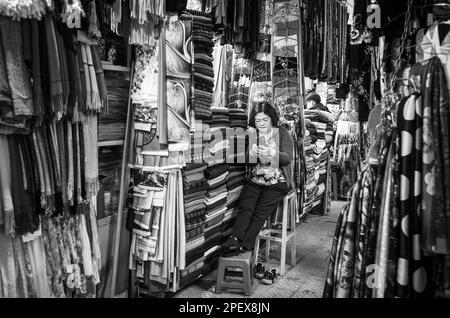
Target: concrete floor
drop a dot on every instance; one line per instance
(305, 280)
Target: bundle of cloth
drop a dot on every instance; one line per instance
(216, 207)
(195, 186)
(199, 142)
(51, 90)
(235, 185)
(44, 195)
(310, 164)
(320, 127)
(203, 45)
(238, 117)
(220, 118)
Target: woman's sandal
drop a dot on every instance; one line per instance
(270, 277)
(230, 248)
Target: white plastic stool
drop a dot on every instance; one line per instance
(283, 236)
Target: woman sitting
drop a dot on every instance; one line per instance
(270, 154)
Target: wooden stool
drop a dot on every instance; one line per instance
(242, 261)
(289, 211)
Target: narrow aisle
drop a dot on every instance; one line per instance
(305, 280)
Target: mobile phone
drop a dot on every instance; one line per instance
(262, 141)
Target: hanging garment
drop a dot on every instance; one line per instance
(90, 156)
(56, 84)
(100, 77)
(6, 187)
(17, 72)
(25, 9)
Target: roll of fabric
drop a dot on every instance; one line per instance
(100, 78)
(162, 127)
(96, 103)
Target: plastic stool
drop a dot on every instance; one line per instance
(242, 261)
(269, 234)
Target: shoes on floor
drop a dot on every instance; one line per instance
(259, 271)
(270, 277)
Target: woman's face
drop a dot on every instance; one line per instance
(263, 122)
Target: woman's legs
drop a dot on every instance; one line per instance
(248, 201)
(270, 198)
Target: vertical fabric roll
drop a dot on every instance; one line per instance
(5, 182)
(95, 97)
(100, 77)
(90, 156)
(161, 129)
(87, 80)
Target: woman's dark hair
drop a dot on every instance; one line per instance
(266, 108)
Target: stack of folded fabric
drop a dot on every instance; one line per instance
(310, 182)
(192, 272)
(195, 187)
(320, 126)
(220, 118)
(216, 207)
(202, 40)
(235, 185)
(238, 117)
(236, 135)
(199, 141)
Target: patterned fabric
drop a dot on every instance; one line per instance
(401, 245)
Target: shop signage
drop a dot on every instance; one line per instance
(373, 15)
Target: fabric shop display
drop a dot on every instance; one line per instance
(325, 41)
(159, 231)
(52, 90)
(397, 218)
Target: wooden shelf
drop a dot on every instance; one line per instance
(111, 143)
(115, 68)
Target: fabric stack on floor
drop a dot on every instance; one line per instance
(216, 207)
(320, 127)
(235, 185)
(195, 187)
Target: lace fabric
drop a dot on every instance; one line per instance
(25, 9)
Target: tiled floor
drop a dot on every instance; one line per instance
(305, 280)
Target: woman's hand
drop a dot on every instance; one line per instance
(266, 154)
(254, 151)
